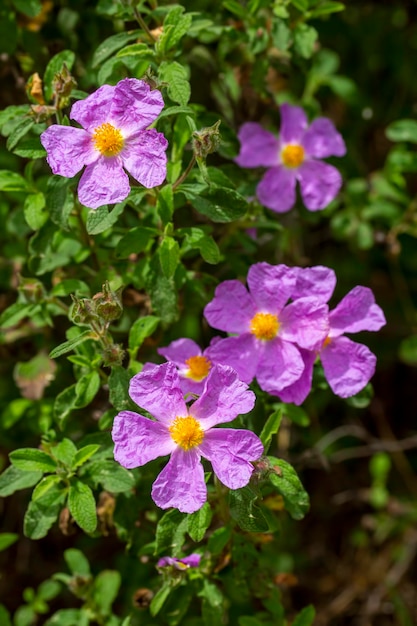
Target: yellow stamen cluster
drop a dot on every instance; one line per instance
(198, 367)
(186, 432)
(326, 342)
(108, 140)
(292, 155)
(264, 326)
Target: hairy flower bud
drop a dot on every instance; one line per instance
(206, 140)
(108, 304)
(113, 355)
(83, 311)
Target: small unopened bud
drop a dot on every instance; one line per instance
(142, 598)
(80, 585)
(113, 355)
(108, 304)
(32, 289)
(63, 84)
(206, 140)
(83, 311)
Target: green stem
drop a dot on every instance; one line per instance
(184, 174)
(143, 24)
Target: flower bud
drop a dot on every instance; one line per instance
(107, 303)
(83, 311)
(206, 140)
(32, 289)
(113, 355)
(63, 84)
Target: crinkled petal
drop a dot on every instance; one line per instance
(230, 452)
(298, 391)
(94, 110)
(68, 149)
(181, 483)
(348, 366)
(134, 106)
(180, 350)
(104, 182)
(322, 140)
(271, 286)
(145, 158)
(356, 312)
(276, 190)
(293, 123)
(241, 353)
(231, 309)
(138, 440)
(305, 322)
(318, 281)
(280, 365)
(158, 391)
(320, 184)
(223, 399)
(258, 147)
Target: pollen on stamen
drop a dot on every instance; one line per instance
(264, 326)
(186, 432)
(108, 140)
(198, 367)
(292, 155)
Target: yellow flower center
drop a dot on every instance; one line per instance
(264, 326)
(198, 367)
(186, 432)
(292, 155)
(108, 140)
(326, 342)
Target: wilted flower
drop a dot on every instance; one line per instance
(113, 137)
(348, 366)
(193, 560)
(294, 156)
(187, 434)
(269, 331)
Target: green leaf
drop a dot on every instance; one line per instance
(119, 381)
(402, 130)
(135, 241)
(160, 598)
(305, 38)
(16, 312)
(175, 110)
(67, 617)
(286, 482)
(82, 506)
(99, 220)
(305, 617)
(111, 45)
(69, 345)
(4, 613)
(86, 389)
(31, 8)
(14, 479)
(30, 149)
(8, 32)
(12, 181)
(213, 605)
(6, 540)
(55, 66)
(270, 428)
(42, 513)
(46, 484)
(170, 532)
(198, 522)
(220, 204)
(325, 9)
(219, 539)
(408, 350)
(34, 210)
(164, 298)
(296, 414)
(83, 454)
(165, 204)
(196, 238)
(59, 200)
(140, 330)
(64, 452)
(140, 50)
(77, 562)
(176, 25)
(301, 5)
(169, 256)
(112, 476)
(32, 460)
(236, 8)
(64, 404)
(105, 589)
(244, 510)
(176, 76)
(19, 131)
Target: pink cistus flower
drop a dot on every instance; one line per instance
(187, 434)
(293, 156)
(348, 366)
(113, 137)
(269, 332)
(193, 560)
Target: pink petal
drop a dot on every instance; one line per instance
(230, 452)
(138, 440)
(241, 353)
(158, 391)
(258, 147)
(322, 140)
(145, 159)
(134, 106)
(94, 110)
(271, 286)
(231, 309)
(356, 312)
(104, 182)
(280, 366)
(348, 366)
(320, 184)
(276, 190)
(293, 123)
(305, 322)
(318, 281)
(298, 391)
(181, 483)
(180, 350)
(223, 399)
(68, 148)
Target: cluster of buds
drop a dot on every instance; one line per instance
(62, 85)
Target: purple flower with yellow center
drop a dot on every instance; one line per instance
(113, 137)
(187, 434)
(193, 560)
(348, 366)
(269, 331)
(293, 156)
